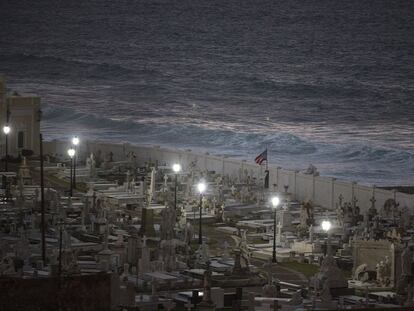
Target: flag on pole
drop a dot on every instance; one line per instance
(261, 157)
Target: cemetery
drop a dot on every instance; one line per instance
(177, 235)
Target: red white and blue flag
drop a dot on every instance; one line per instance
(261, 157)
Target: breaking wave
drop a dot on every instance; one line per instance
(283, 147)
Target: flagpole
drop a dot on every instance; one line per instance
(261, 177)
(259, 160)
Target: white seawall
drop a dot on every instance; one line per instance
(323, 191)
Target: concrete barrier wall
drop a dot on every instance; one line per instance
(344, 189)
(323, 191)
(305, 189)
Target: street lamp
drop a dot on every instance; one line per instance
(6, 131)
(176, 168)
(326, 226)
(60, 225)
(75, 140)
(275, 202)
(201, 187)
(75, 143)
(71, 153)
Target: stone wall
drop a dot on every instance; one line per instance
(323, 191)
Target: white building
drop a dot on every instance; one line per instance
(22, 114)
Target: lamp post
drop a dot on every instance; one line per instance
(326, 226)
(275, 203)
(60, 224)
(176, 168)
(75, 143)
(71, 153)
(201, 187)
(6, 131)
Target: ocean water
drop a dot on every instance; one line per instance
(326, 82)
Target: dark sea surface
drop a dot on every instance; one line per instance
(324, 82)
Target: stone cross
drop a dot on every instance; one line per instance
(373, 200)
(354, 201)
(214, 201)
(341, 197)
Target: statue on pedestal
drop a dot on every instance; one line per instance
(91, 165)
(326, 291)
(361, 273)
(188, 233)
(380, 268)
(332, 273)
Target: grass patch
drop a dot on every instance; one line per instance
(257, 241)
(82, 187)
(307, 270)
(56, 180)
(51, 178)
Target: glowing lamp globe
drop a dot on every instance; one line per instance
(176, 167)
(275, 201)
(201, 187)
(6, 129)
(75, 141)
(71, 152)
(326, 225)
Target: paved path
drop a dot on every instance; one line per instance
(284, 274)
